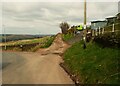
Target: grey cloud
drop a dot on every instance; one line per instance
(41, 16)
(37, 30)
(101, 10)
(119, 6)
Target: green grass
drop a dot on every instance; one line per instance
(67, 37)
(30, 45)
(31, 41)
(48, 43)
(44, 45)
(94, 64)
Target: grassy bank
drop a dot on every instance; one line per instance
(44, 45)
(29, 41)
(67, 37)
(29, 45)
(94, 64)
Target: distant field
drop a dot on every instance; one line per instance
(29, 44)
(16, 37)
(27, 41)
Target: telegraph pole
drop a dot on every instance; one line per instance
(85, 19)
(85, 13)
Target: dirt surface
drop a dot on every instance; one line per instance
(41, 67)
(58, 46)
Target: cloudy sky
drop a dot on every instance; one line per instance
(45, 17)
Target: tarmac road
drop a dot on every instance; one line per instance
(33, 68)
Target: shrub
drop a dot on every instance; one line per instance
(64, 27)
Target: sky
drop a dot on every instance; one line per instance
(45, 17)
(119, 7)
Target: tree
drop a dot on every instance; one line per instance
(64, 27)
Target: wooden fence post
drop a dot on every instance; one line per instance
(103, 30)
(92, 32)
(113, 28)
(99, 30)
(96, 32)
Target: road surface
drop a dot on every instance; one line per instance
(33, 68)
(41, 67)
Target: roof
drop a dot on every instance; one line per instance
(97, 21)
(118, 14)
(111, 17)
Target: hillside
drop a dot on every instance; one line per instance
(92, 65)
(16, 37)
(28, 44)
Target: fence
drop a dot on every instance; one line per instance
(110, 28)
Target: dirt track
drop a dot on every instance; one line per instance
(41, 67)
(58, 46)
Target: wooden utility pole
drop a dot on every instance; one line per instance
(85, 19)
(85, 13)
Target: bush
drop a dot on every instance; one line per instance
(64, 27)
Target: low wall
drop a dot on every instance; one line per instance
(25, 47)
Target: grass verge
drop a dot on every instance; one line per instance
(26, 42)
(94, 64)
(29, 45)
(44, 45)
(67, 37)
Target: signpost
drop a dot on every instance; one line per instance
(4, 37)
